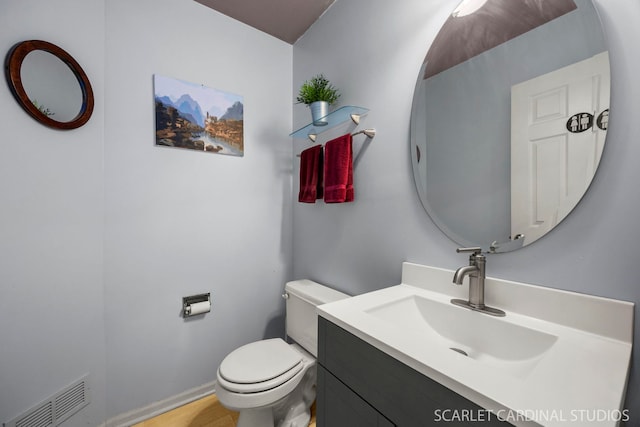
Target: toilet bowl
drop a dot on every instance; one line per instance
(270, 382)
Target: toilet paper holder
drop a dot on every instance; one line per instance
(189, 301)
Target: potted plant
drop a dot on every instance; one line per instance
(318, 94)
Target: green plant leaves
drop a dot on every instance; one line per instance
(317, 88)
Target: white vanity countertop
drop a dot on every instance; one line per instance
(580, 380)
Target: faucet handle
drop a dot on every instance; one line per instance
(476, 254)
(475, 250)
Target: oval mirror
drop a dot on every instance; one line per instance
(509, 119)
(49, 84)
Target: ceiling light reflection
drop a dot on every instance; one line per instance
(467, 7)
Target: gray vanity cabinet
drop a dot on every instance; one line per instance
(359, 385)
(343, 407)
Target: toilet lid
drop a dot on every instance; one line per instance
(259, 361)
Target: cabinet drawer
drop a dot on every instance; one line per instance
(339, 406)
(399, 392)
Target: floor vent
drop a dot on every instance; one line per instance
(58, 408)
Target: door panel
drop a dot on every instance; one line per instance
(556, 143)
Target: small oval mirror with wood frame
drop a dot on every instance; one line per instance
(49, 84)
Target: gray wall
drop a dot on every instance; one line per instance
(51, 224)
(103, 232)
(180, 222)
(373, 50)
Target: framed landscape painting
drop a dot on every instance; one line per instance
(195, 117)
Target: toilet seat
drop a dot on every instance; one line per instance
(259, 366)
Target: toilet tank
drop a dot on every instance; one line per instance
(302, 320)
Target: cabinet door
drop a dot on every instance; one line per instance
(403, 395)
(339, 406)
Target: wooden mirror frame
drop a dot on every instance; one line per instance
(13, 65)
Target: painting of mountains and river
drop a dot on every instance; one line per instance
(196, 117)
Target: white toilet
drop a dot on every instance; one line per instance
(272, 383)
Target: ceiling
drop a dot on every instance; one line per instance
(460, 38)
(286, 20)
(498, 21)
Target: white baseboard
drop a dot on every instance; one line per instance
(138, 415)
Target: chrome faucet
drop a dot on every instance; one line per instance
(476, 272)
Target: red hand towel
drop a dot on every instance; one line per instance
(311, 175)
(338, 170)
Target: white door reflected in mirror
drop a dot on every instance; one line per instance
(552, 163)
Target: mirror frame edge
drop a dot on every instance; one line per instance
(512, 244)
(13, 65)
(452, 236)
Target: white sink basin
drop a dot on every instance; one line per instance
(553, 353)
(495, 341)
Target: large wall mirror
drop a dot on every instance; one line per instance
(49, 84)
(509, 118)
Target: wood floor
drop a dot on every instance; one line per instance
(206, 412)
